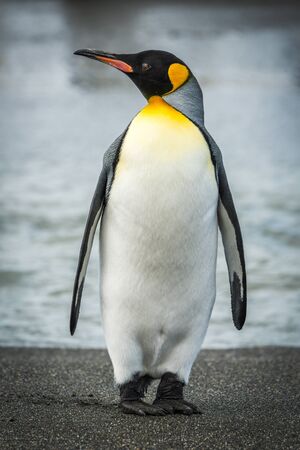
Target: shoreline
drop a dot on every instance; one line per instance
(66, 398)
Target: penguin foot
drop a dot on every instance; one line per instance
(176, 406)
(131, 394)
(141, 408)
(169, 396)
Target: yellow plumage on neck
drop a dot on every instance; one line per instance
(159, 134)
(158, 107)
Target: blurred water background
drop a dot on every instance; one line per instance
(59, 113)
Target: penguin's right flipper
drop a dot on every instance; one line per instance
(86, 246)
(96, 209)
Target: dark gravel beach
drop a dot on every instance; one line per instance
(65, 399)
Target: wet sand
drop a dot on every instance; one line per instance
(65, 399)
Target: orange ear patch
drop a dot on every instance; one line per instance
(178, 74)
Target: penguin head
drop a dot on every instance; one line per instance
(154, 72)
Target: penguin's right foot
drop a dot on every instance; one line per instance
(131, 394)
(140, 408)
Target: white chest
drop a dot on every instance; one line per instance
(162, 207)
(164, 168)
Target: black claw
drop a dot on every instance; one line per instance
(167, 408)
(140, 408)
(174, 406)
(195, 408)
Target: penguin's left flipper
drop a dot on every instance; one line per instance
(234, 253)
(95, 212)
(231, 237)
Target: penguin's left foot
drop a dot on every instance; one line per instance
(169, 396)
(131, 394)
(172, 406)
(141, 408)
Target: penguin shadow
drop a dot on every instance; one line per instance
(87, 400)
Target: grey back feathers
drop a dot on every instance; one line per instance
(189, 100)
(110, 161)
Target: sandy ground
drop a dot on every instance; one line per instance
(66, 399)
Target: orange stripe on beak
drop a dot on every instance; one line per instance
(118, 64)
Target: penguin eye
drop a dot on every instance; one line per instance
(145, 67)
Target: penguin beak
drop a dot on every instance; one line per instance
(107, 58)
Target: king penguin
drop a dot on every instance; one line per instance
(161, 194)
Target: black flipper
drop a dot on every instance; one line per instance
(86, 246)
(96, 210)
(231, 237)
